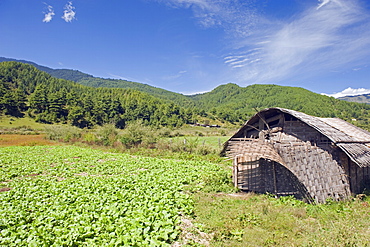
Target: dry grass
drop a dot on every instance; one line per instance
(24, 140)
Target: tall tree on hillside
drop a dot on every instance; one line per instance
(76, 117)
(39, 99)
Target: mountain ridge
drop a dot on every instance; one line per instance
(235, 104)
(89, 80)
(362, 98)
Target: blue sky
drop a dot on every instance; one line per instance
(192, 46)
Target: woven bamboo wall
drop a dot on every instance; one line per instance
(314, 161)
(300, 144)
(359, 177)
(264, 176)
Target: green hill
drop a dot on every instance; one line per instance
(25, 89)
(157, 92)
(233, 102)
(91, 81)
(230, 102)
(66, 74)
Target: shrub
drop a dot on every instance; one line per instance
(137, 133)
(164, 132)
(62, 133)
(107, 134)
(90, 137)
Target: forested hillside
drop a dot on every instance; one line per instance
(23, 88)
(89, 80)
(100, 99)
(157, 92)
(67, 74)
(232, 102)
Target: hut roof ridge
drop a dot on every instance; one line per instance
(336, 129)
(352, 140)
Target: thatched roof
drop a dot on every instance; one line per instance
(354, 141)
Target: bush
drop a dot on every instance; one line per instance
(107, 134)
(164, 132)
(90, 138)
(137, 133)
(62, 133)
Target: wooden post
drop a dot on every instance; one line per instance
(235, 165)
(274, 175)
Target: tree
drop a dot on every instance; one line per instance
(39, 100)
(76, 117)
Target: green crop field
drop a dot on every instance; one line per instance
(74, 196)
(70, 196)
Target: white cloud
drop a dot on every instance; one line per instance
(319, 40)
(69, 13)
(194, 92)
(350, 92)
(237, 17)
(49, 14)
(327, 36)
(323, 3)
(113, 76)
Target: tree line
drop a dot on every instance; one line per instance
(233, 103)
(26, 90)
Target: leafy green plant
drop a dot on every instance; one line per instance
(71, 196)
(137, 133)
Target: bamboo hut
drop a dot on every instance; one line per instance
(285, 152)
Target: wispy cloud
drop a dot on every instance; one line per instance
(114, 76)
(323, 3)
(69, 13)
(319, 40)
(247, 58)
(330, 35)
(350, 92)
(48, 16)
(235, 16)
(174, 76)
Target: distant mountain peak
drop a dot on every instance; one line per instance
(364, 98)
(349, 92)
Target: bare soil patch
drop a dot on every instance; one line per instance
(5, 189)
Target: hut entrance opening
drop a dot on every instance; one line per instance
(267, 176)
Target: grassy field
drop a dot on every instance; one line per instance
(260, 220)
(214, 141)
(7, 122)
